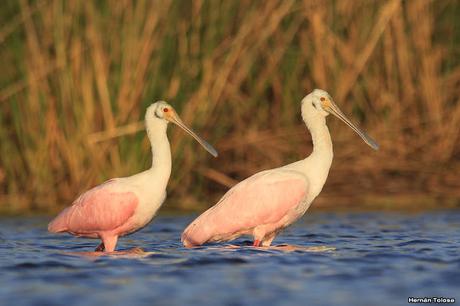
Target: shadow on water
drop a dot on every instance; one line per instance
(368, 258)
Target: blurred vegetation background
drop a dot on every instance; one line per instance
(77, 77)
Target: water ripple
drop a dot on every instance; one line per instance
(379, 259)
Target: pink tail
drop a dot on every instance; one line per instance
(186, 241)
(189, 242)
(59, 223)
(197, 233)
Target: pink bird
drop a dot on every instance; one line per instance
(122, 206)
(269, 201)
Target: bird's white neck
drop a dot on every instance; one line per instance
(316, 166)
(322, 143)
(161, 151)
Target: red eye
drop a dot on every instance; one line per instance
(165, 110)
(322, 98)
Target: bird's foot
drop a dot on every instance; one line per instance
(291, 248)
(136, 250)
(100, 248)
(256, 243)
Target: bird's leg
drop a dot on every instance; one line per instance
(110, 242)
(268, 240)
(100, 247)
(258, 233)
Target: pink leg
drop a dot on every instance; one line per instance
(258, 233)
(110, 242)
(267, 241)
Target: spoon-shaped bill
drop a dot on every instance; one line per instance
(174, 118)
(334, 109)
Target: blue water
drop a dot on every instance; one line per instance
(379, 259)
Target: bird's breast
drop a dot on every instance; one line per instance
(149, 206)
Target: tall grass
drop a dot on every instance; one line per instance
(77, 73)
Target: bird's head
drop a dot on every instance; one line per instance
(163, 111)
(320, 103)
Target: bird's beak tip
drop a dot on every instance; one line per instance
(174, 118)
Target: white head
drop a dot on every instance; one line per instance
(163, 111)
(319, 104)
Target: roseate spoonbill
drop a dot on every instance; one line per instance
(122, 206)
(265, 203)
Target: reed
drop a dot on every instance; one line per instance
(78, 75)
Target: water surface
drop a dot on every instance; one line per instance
(379, 259)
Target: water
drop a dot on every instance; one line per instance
(380, 259)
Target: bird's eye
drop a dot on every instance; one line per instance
(322, 98)
(165, 110)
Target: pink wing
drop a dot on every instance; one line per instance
(264, 198)
(97, 210)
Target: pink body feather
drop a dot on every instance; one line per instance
(260, 206)
(101, 212)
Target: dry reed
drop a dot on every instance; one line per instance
(78, 74)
